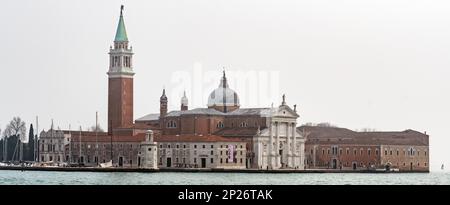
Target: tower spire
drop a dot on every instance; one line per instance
(163, 104)
(184, 101)
(120, 83)
(121, 33)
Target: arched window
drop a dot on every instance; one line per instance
(171, 124)
(220, 124)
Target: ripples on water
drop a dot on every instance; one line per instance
(168, 178)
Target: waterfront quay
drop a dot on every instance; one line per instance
(122, 169)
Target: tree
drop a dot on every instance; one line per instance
(93, 128)
(29, 148)
(16, 130)
(16, 127)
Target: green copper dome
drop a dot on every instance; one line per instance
(121, 33)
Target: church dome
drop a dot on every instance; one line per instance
(223, 95)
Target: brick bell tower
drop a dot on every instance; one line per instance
(120, 80)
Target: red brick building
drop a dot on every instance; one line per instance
(222, 124)
(264, 138)
(340, 148)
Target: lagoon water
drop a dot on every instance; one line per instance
(12, 177)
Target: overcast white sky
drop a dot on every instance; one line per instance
(358, 64)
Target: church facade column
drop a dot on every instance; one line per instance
(294, 147)
(289, 146)
(302, 156)
(260, 153)
(277, 154)
(270, 154)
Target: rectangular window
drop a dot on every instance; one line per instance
(212, 152)
(221, 160)
(212, 160)
(204, 146)
(241, 160)
(195, 160)
(212, 146)
(368, 152)
(398, 152)
(390, 152)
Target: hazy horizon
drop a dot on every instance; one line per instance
(355, 64)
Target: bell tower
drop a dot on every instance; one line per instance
(163, 104)
(120, 80)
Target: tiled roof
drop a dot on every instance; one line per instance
(238, 131)
(202, 111)
(265, 112)
(89, 138)
(193, 138)
(149, 117)
(333, 135)
(85, 133)
(173, 113)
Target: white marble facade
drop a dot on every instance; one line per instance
(280, 145)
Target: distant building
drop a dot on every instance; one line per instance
(52, 146)
(198, 151)
(340, 148)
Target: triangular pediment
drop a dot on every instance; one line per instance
(285, 111)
